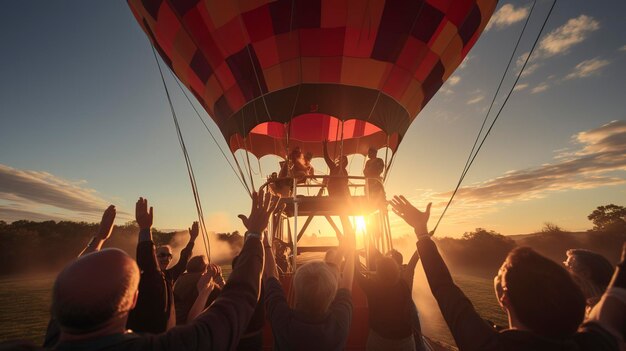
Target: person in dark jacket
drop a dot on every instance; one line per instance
(337, 184)
(154, 312)
(390, 304)
(93, 295)
(544, 306)
(373, 171)
(164, 256)
(406, 275)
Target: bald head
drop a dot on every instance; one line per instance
(94, 289)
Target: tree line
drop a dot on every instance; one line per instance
(41, 247)
(482, 251)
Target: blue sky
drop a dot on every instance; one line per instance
(84, 122)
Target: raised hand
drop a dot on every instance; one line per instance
(411, 215)
(205, 282)
(142, 216)
(106, 224)
(263, 205)
(218, 278)
(194, 231)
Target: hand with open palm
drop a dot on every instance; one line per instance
(411, 215)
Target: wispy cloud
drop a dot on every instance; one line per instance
(465, 62)
(520, 87)
(541, 87)
(507, 15)
(623, 48)
(447, 88)
(575, 31)
(559, 42)
(587, 68)
(599, 159)
(454, 80)
(475, 100)
(34, 192)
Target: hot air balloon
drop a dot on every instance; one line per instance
(276, 75)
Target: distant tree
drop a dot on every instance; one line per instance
(551, 228)
(608, 217)
(162, 238)
(481, 250)
(234, 239)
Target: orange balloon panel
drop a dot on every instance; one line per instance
(258, 66)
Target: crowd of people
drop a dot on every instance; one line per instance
(106, 300)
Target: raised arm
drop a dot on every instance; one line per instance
(104, 232)
(329, 161)
(409, 272)
(270, 270)
(185, 254)
(222, 325)
(206, 284)
(470, 331)
(146, 254)
(349, 246)
(153, 297)
(53, 331)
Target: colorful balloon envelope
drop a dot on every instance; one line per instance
(274, 75)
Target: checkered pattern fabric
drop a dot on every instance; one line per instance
(353, 70)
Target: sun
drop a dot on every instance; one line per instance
(360, 224)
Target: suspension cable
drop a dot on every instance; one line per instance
(206, 126)
(473, 156)
(192, 177)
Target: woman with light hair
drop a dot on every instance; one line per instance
(323, 302)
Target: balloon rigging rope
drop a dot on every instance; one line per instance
(209, 130)
(476, 150)
(192, 177)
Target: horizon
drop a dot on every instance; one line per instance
(86, 124)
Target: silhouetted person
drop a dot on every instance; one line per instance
(544, 306)
(95, 244)
(281, 256)
(390, 307)
(207, 291)
(322, 314)
(338, 181)
(295, 166)
(164, 256)
(373, 171)
(310, 171)
(407, 273)
(592, 272)
(93, 295)
(186, 291)
(155, 311)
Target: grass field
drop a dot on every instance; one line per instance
(24, 306)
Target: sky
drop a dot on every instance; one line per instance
(84, 122)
